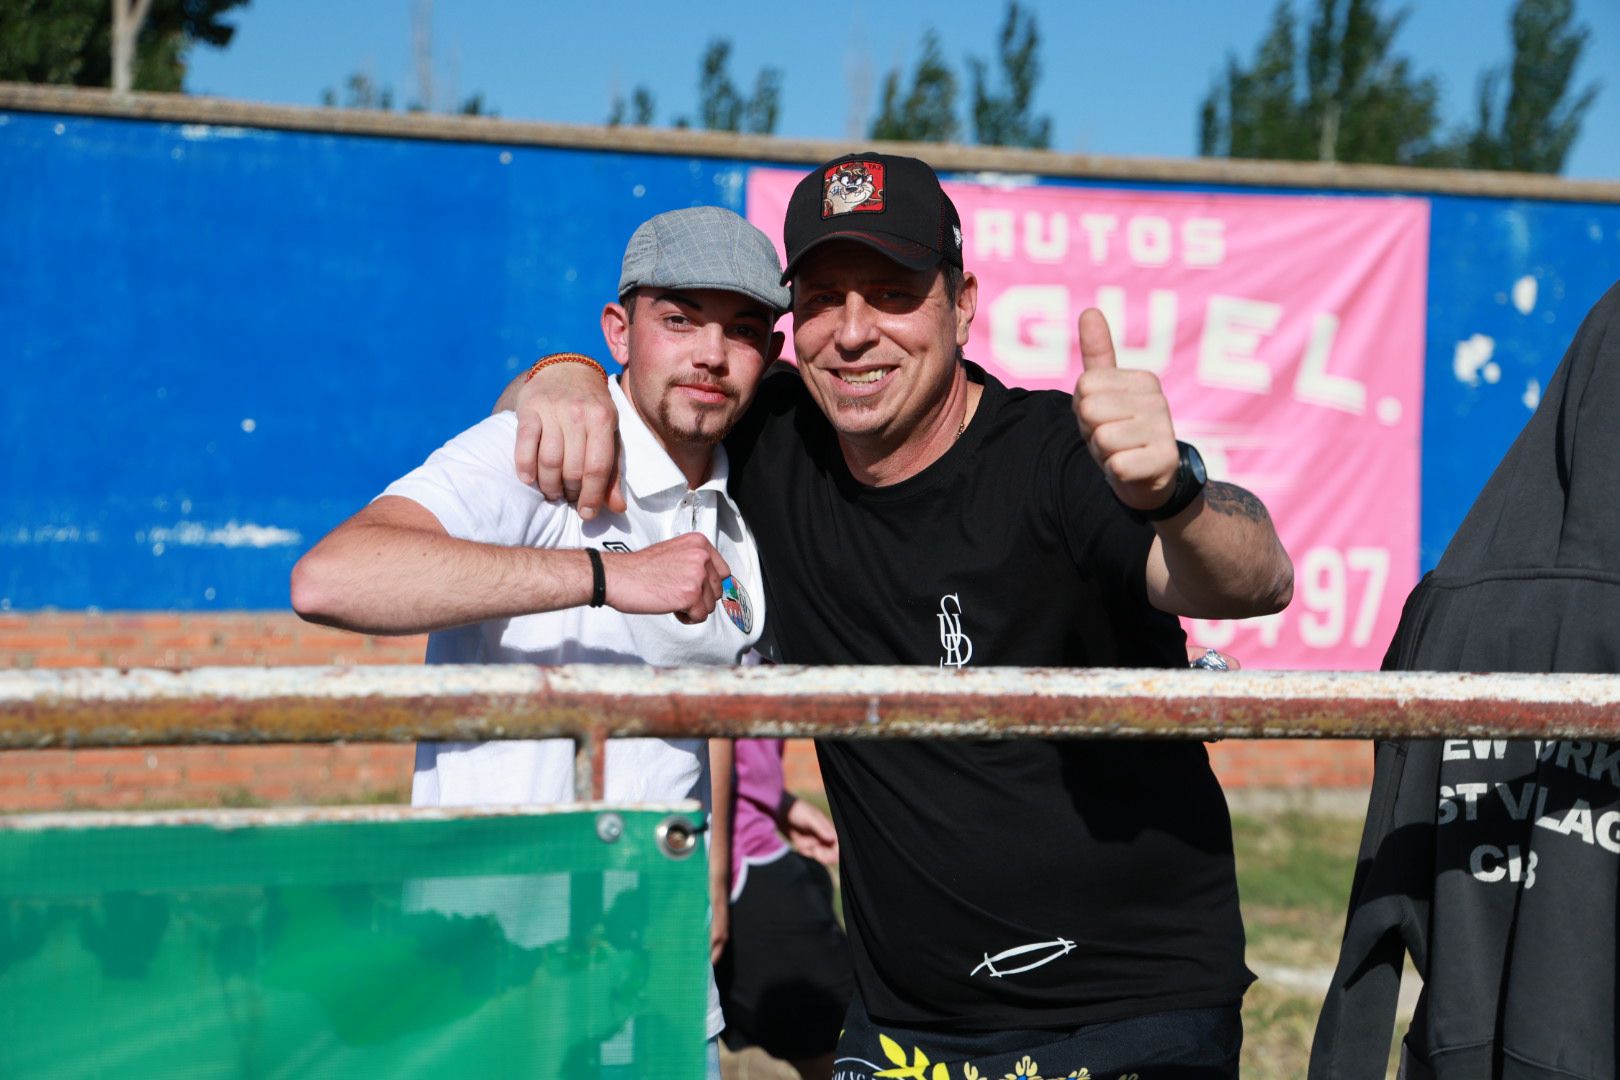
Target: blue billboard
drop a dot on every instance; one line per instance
(220, 341)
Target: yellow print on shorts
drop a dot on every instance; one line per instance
(916, 1070)
(917, 1066)
(1027, 1069)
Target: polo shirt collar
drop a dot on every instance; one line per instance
(646, 467)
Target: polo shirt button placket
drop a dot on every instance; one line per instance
(703, 512)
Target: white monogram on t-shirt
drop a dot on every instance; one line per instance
(958, 646)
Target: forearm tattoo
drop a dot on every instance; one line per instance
(1234, 501)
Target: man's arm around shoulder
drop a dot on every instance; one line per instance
(567, 434)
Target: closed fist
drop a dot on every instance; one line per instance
(680, 577)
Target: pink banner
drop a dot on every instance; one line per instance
(1288, 333)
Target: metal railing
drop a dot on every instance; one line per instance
(590, 703)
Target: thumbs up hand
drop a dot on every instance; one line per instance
(1125, 420)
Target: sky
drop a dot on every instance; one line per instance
(1120, 78)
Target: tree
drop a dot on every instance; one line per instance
(1006, 119)
(360, 92)
(927, 113)
(1534, 131)
(721, 106)
(1360, 102)
(1255, 113)
(639, 111)
(765, 103)
(69, 42)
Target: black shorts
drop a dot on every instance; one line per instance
(1186, 1044)
(785, 977)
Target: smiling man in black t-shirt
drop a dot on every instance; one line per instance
(1028, 907)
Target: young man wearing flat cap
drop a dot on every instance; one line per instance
(459, 547)
(1015, 908)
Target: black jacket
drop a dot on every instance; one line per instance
(1494, 864)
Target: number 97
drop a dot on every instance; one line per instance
(1324, 589)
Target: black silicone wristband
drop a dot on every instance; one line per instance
(598, 578)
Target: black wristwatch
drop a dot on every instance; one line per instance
(1190, 480)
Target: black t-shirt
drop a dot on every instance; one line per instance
(1028, 883)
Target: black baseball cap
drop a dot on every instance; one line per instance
(890, 203)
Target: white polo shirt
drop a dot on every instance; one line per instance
(470, 485)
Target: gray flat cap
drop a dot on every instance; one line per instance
(704, 247)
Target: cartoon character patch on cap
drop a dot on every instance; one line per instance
(852, 187)
(734, 598)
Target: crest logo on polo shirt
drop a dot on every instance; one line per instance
(616, 545)
(734, 599)
(853, 187)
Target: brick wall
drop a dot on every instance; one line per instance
(196, 775)
(53, 639)
(291, 775)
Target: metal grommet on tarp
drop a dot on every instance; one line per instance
(677, 836)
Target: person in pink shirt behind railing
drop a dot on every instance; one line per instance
(784, 976)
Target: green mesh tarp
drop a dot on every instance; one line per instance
(366, 944)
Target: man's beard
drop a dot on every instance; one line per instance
(705, 426)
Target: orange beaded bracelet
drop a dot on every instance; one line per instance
(565, 358)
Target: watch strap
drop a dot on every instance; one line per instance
(1183, 492)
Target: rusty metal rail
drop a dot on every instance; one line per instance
(110, 707)
(590, 703)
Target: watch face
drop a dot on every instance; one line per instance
(1195, 463)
